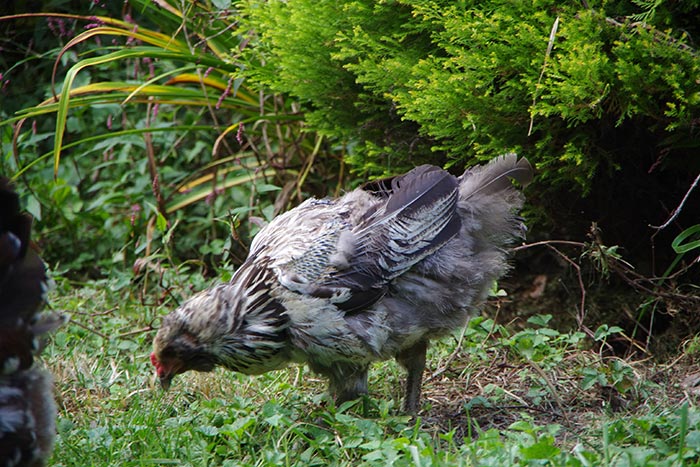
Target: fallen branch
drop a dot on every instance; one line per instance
(95, 313)
(148, 328)
(88, 328)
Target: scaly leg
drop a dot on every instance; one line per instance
(413, 359)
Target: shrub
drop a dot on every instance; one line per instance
(475, 79)
(602, 97)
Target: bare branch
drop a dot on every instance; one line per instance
(548, 242)
(582, 305)
(88, 328)
(678, 209)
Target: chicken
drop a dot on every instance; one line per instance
(27, 407)
(341, 283)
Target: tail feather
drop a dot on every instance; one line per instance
(496, 176)
(488, 197)
(420, 187)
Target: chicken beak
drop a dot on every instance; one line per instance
(165, 381)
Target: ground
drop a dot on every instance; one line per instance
(509, 389)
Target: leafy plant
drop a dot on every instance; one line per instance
(191, 132)
(684, 243)
(542, 344)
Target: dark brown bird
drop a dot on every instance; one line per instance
(341, 283)
(27, 408)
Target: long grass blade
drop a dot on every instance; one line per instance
(199, 195)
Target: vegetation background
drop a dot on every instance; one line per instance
(150, 138)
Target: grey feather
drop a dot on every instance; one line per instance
(416, 219)
(497, 175)
(374, 274)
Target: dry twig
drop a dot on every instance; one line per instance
(678, 209)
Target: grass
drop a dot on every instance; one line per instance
(493, 396)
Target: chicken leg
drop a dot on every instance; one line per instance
(413, 360)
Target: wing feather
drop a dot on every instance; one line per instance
(351, 249)
(417, 218)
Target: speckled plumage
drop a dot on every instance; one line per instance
(339, 284)
(27, 408)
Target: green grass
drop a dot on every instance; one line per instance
(500, 397)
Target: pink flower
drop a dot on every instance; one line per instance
(135, 209)
(96, 23)
(239, 133)
(131, 39)
(225, 94)
(213, 195)
(58, 27)
(151, 67)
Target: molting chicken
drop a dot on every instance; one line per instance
(341, 283)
